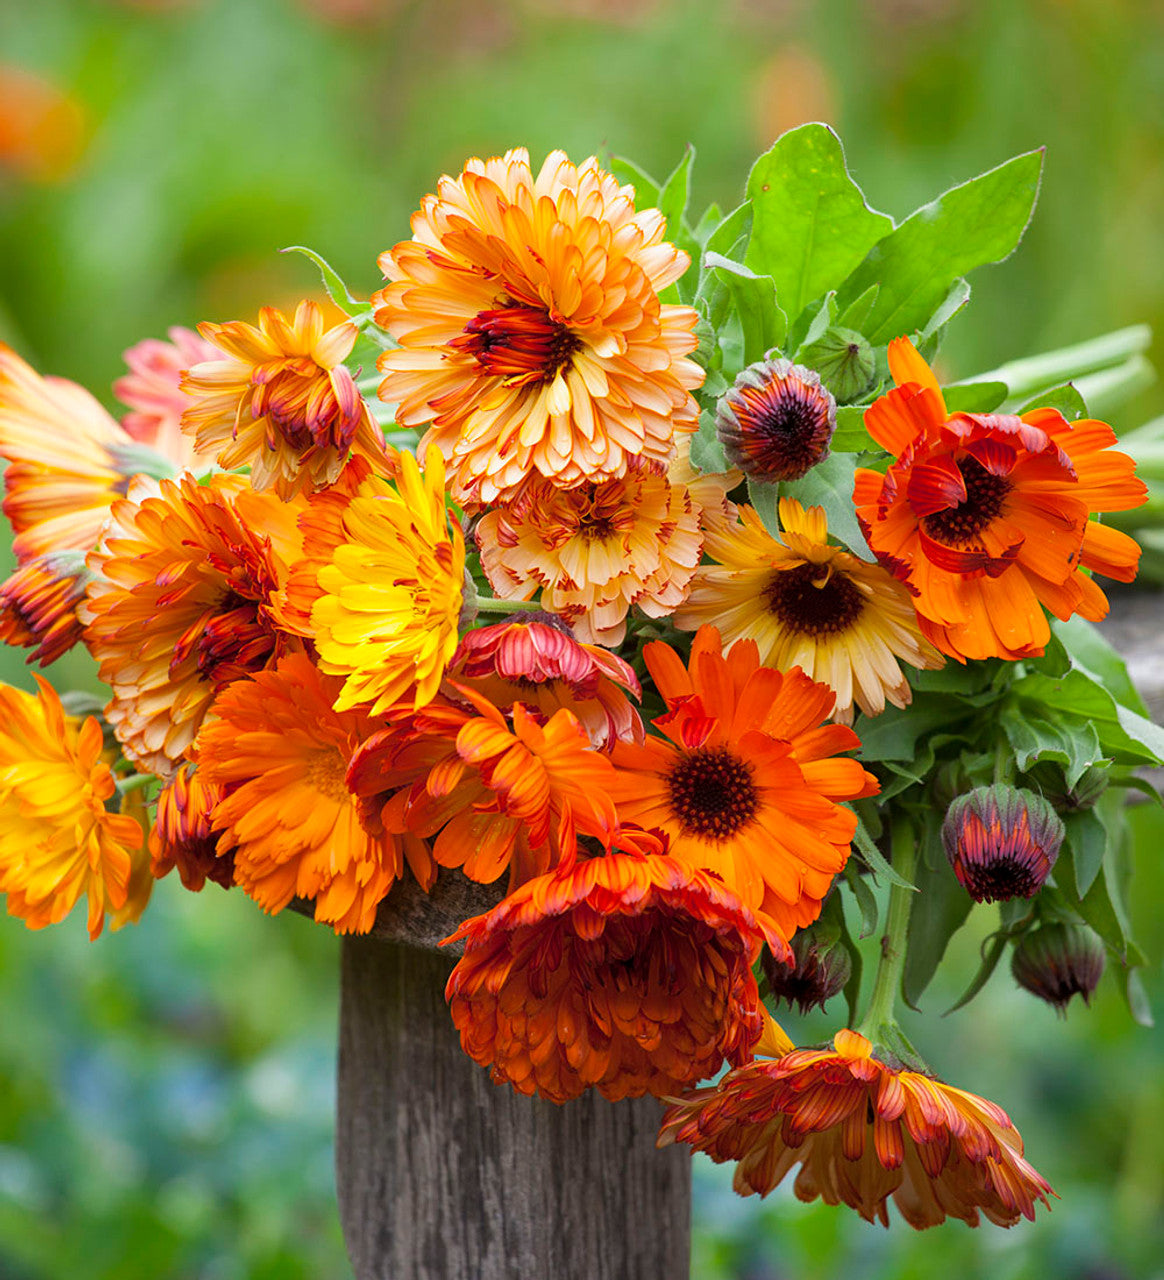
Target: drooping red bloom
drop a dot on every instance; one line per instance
(1002, 842)
(863, 1131)
(183, 834)
(630, 973)
(1058, 961)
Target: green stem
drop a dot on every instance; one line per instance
(134, 782)
(1003, 762)
(488, 604)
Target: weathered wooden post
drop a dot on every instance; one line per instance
(442, 1175)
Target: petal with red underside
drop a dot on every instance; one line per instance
(903, 415)
(935, 486)
(867, 487)
(1110, 552)
(996, 456)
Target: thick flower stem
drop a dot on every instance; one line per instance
(487, 604)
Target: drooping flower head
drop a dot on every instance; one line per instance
(863, 1132)
(533, 659)
(530, 330)
(282, 403)
(1002, 842)
(776, 421)
(985, 517)
(491, 791)
(281, 751)
(630, 973)
(38, 605)
(842, 620)
(181, 606)
(819, 970)
(58, 840)
(747, 781)
(1058, 961)
(153, 392)
(183, 834)
(388, 599)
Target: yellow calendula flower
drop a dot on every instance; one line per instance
(57, 838)
(390, 595)
(842, 620)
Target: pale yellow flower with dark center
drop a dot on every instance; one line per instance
(842, 620)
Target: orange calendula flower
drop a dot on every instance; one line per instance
(282, 403)
(390, 594)
(747, 783)
(492, 792)
(862, 1131)
(985, 517)
(68, 461)
(152, 390)
(629, 973)
(807, 604)
(183, 834)
(530, 330)
(281, 751)
(180, 606)
(533, 658)
(38, 605)
(57, 838)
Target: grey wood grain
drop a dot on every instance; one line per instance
(443, 1175)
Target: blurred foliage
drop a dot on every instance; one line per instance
(165, 1094)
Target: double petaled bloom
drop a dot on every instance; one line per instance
(530, 330)
(58, 840)
(985, 517)
(38, 605)
(282, 403)
(842, 620)
(748, 780)
(629, 973)
(281, 751)
(863, 1132)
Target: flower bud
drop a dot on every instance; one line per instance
(1083, 795)
(844, 361)
(820, 968)
(1058, 961)
(776, 421)
(1002, 842)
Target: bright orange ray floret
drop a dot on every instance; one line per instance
(748, 780)
(626, 972)
(985, 517)
(863, 1132)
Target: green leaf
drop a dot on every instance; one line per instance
(851, 435)
(763, 322)
(857, 312)
(992, 950)
(765, 498)
(706, 451)
(1088, 649)
(974, 397)
(337, 291)
(1069, 741)
(1105, 912)
(1083, 850)
(863, 896)
(1108, 390)
(893, 734)
(811, 225)
(941, 912)
(735, 227)
(874, 859)
(1051, 368)
(1065, 398)
(979, 222)
(1126, 736)
(1137, 998)
(673, 194)
(830, 485)
(930, 339)
(821, 319)
(646, 188)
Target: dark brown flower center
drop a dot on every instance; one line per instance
(712, 793)
(814, 599)
(520, 343)
(985, 494)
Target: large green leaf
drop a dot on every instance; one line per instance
(830, 485)
(940, 912)
(754, 297)
(1083, 849)
(981, 221)
(811, 224)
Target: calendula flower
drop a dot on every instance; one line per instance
(820, 968)
(58, 840)
(183, 834)
(38, 605)
(1058, 961)
(390, 594)
(595, 550)
(842, 620)
(181, 605)
(282, 403)
(1001, 842)
(629, 973)
(68, 461)
(281, 751)
(152, 390)
(533, 659)
(747, 782)
(775, 422)
(985, 517)
(530, 330)
(863, 1131)
(492, 792)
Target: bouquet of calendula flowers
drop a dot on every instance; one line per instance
(654, 576)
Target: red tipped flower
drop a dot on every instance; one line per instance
(1058, 961)
(862, 1131)
(183, 835)
(630, 973)
(38, 605)
(1001, 842)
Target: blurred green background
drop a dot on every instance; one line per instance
(166, 1094)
